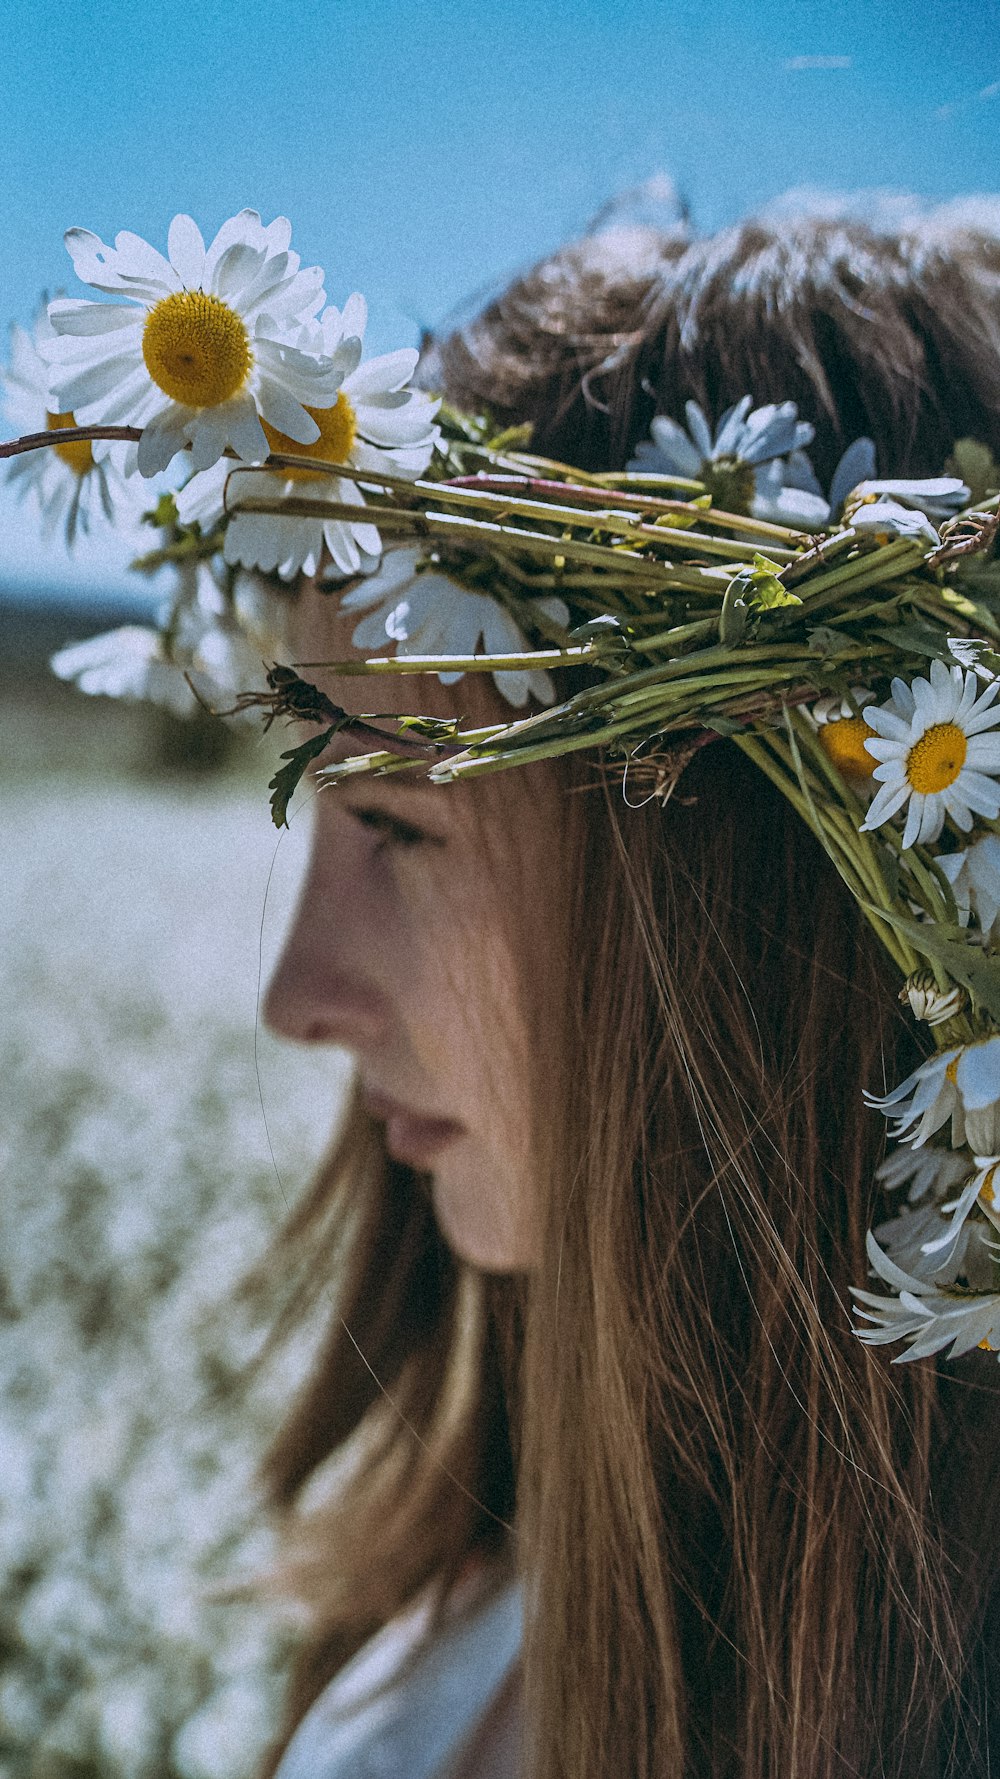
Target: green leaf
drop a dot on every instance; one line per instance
(287, 777)
(952, 948)
(512, 438)
(434, 728)
(734, 618)
(769, 593)
(973, 461)
(753, 590)
(829, 644)
(163, 514)
(914, 638)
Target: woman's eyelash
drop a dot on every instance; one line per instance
(394, 831)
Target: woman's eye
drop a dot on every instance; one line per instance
(393, 830)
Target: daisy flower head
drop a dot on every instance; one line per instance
(377, 423)
(923, 1314)
(208, 641)
(936, 497)
(754, 463)
(927, 1172)
(961, 1084)
(199, 347)
(974, 875)
(70, 483)
(936, 755)
(842, 733)
(883, 519)
(921, 1242)
(412, 603)
(131, 663)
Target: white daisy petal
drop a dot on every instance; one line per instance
(186, 251)
(699, 428)
(162, 437)
(670, 448)
(389, 372)
(978, 1074)
(124, 269)
(77, 316)
(285, 413)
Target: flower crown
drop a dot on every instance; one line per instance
(847, 643)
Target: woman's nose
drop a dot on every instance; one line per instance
(321, 991)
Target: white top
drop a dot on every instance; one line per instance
(384, 1718)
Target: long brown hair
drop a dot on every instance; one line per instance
(754, 1549)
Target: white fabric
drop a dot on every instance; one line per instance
(382, 1718)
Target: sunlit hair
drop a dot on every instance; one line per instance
(753, 1549)
(893, 336)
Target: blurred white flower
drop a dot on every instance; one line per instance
(71, 485)
(207, 641)
(424, 612)
(130, 663)
(974, 875)
(925, 1171)
(202, 348)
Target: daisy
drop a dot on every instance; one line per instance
(974, 875)
(931, 1003)
(916, 1242)
(202, 349)
(923, 1314)
(740, 465)
(934, 753)
(884, 519)
(978, 1189)
(70, 484)
(377, 423)
(842, 734)
(130, 663)
(424, 612)
(962, 1084)
(138, 662)
(936, 496)
(924, 1171)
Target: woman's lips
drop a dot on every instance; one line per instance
(409, 1137)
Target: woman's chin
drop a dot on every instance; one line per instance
(472, 1216)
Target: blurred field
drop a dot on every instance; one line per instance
(138, 1186)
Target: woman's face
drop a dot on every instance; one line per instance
(409, 949)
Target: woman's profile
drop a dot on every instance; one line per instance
(599, 1469)
(597, 1209)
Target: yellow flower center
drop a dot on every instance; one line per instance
(843, 742)
(731, 483)
(988, 1190)
(196, 348)
(338, 429)
(78, 453)
(935, 761)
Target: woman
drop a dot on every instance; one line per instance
(594, 1217)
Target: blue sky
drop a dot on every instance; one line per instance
(426, 151)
